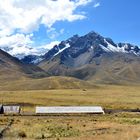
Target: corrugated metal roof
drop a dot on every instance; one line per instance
(70, 109)
(11, 109)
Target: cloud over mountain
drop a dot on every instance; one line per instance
(20, 18)
(19, 45)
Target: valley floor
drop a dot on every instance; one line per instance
(123, 126)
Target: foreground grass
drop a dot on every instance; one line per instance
(99, 127)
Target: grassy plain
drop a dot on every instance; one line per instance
(123, 126)
(111, 97)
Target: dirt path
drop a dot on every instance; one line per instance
(6, 128)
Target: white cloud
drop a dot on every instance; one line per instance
(52, 33)
(96, 5)
(18, 45)
(19, 18)
(27, 15)
(62, 31)
(18, 39)
(82, 2)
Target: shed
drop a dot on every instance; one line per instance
(69, 109)
(1, 109)
(11, 109)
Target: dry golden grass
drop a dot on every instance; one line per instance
(110, 127)
(115, 97)
(54, 82)
(122, 126)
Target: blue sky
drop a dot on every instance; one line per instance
(26, 25)
(117, 19)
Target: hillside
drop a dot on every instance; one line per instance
(12, 69)
(48, 83)
(14, 75)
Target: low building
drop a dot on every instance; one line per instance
(1, 109)
(70, 109)
(11, 109)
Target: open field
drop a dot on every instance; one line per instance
(111, 97)
(54, 82)
(125, 126)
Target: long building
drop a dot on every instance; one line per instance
(69, 109)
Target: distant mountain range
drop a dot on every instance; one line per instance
(92, 58)
(76, 45)
(91, 41)
(20, 51)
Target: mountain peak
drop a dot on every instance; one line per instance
(93, 33)
(90, 46)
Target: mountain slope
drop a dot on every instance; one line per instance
(12, 69)
(14, 75)
(95, 58)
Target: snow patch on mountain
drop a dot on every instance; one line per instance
(37, 60)
(111, 48)
(124, 48)
(61, 50)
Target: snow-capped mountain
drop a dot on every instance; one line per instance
(90, 57)
(22, 51)
(93, 43)
(26, 52)
(95, 58)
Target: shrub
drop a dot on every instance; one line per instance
(22, 134)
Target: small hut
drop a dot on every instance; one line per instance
(1, 109)
(11, 109)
